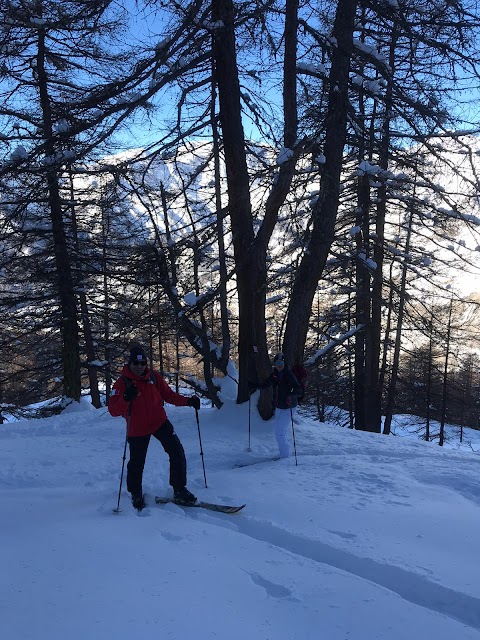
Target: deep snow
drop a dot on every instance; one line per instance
(369, 537)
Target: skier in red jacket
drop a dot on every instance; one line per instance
(138, 395)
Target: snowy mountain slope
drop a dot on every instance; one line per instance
(368, 537)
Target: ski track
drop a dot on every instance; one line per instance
(410, 586)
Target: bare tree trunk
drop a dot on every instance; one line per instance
(374, 390)
(398, 336)
(388, 328)
(362, 309)
(106, 302)
(68, 308)
(251, 270)
(429, 379)
(177, 357)
(150, 321)
(363, 315)
(226, 340)
(318, 375)
(159, 335)
(325, 211)
(85, 316)
(445, 377)
(351, 387)
(375, 379)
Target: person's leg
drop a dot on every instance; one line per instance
(282, 422)
(138, 452)
(174, 449)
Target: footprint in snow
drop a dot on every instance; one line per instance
(170, 537)
(272, 589)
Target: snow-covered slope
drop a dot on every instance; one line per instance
(367, 538)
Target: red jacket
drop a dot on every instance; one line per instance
(147, 409)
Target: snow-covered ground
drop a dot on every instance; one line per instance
(369, 537)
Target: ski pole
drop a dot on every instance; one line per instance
(201, 448)
(293, 432)
(249, 419)
(117, 510)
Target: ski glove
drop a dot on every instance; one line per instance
(130, 393)
(194, 402)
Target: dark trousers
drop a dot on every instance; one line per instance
(138, 452)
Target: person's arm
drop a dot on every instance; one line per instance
(117, 405)
(168, 394)
(295, 387)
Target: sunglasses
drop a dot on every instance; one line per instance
(141, 363)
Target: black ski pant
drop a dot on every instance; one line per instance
(138, 452)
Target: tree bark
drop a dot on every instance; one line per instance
(250, 263)
(391, 392)
(66, 295)
(445, 377)
(362, 309)
(374, 386)
(85, 315)
(325, 211)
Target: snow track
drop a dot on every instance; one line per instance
(368, 538)
(410, 586)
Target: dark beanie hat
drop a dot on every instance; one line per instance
(279, 358)
(136, 353)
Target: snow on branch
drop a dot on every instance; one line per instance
(331, 344)
(312, 69)
(284, 155)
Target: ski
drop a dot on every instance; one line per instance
(250, 463)
(222, 508)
